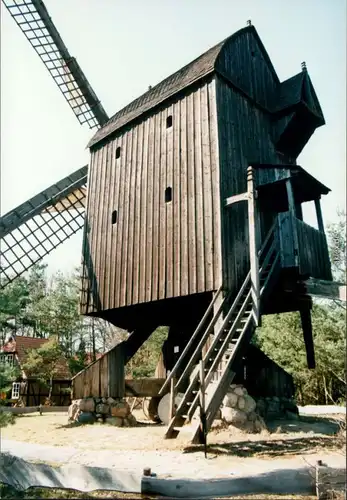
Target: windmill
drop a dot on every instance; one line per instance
(35, 228)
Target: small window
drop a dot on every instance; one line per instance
(118, 152)
(114, 216)
(168, 194)
(176, 349)
(6, 359)
(169, 121)
(15, 390)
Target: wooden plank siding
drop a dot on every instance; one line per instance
(157, 249)
(245, 137)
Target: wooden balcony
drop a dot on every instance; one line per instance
(303, 247)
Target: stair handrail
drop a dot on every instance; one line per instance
(208, 377)
(193, 337)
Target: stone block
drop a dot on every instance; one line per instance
(131, 420)
(102, 408)
(86, 405)
(230, 400)
(250, 404)
(86, 417)
(240, 391)
(115, 421)
(120, 409)
(241, 403)
(233, 416)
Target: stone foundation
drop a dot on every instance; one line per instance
(110, 411)
(273, 408)
(242, 411)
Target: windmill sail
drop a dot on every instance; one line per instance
(35, 228)
(33, 19)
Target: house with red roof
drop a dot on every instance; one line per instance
(27, 390)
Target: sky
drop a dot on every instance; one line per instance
(123, 47)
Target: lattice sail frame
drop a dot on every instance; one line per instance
(32, 230)
(33, 19)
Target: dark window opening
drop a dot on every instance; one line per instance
(118, 152)
(252, 53)
(114, 216)
(169, 121)
(168, 194)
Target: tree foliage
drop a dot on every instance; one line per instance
(337, 246)
(281, 338)
(8, 375)
(144, 363)
(44, 363)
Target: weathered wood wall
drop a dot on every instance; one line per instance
(263, 377)
(244, 138)
(156, 249)
(103, 378)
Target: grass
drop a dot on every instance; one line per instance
(7, 493)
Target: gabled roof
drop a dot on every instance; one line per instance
(196, 70)
(295, 90)
(20, 344)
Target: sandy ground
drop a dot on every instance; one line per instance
(284, 438)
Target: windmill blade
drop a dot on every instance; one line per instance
(33, 19)
(35, 228)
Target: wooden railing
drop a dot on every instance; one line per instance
(303, 247)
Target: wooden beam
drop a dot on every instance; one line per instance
(292, 210)
(306, 324)
(326, 289)
(319, 215)
(253, 250)
(235, 199)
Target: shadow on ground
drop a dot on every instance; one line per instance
(271, 447)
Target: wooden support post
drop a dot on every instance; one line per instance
(306, 323)
(292, 210)
(253, 249)
(203, 430)
(172, 397)
(319, 215)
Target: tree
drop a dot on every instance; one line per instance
(8, 375)
(79, 361)
(144, 363)
(337, 246)
(44, 363)
(281, 338)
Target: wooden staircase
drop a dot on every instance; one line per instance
(228, 345)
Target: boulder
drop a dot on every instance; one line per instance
(230, 400)
(240, 391)
(115, 421)
(250, 404)
(217, 424)
(233, 416)
(73, 412)
(252, 417)
(111, 401)
(102, 408)
(86, 417)
(131, 420)
(86, 405)
(241, 403)
(120, 409)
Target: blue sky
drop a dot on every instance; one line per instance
(125, 46)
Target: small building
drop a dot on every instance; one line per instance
(27, 389)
